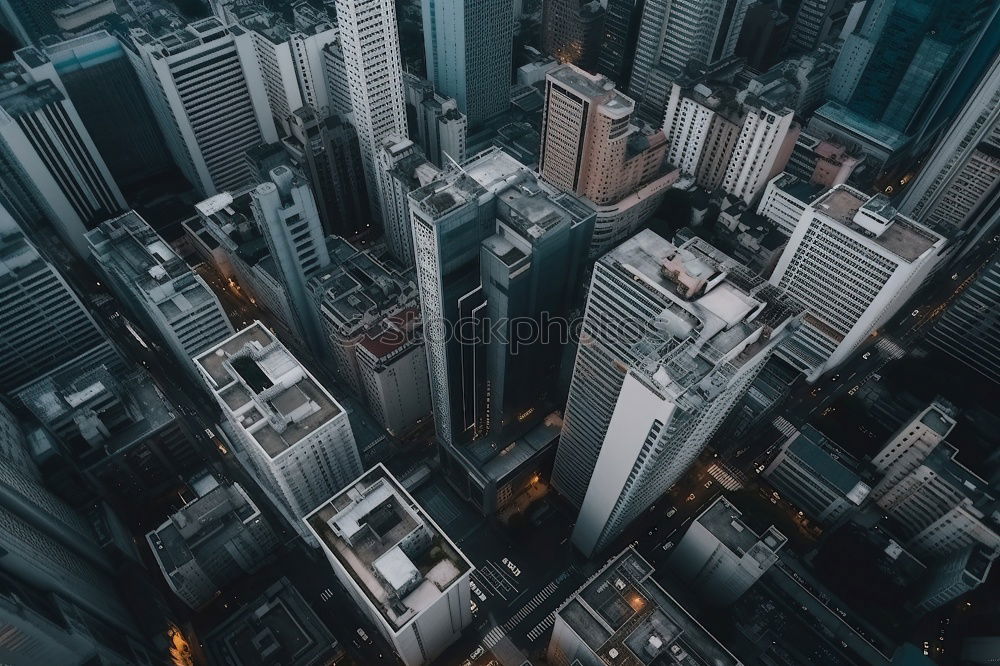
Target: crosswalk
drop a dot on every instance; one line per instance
(724, 477)
(530, 606)
(890, 348)
(784, 426)
(542, 626)
(494, 637)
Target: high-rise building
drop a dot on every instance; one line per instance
(28, 20)
(817, 476)
(823, 162)
(764, 145)
(911, 443)
(370, 43)
(291, 59)
(721, 556)
(763, 35)
(55, 171)
(337, 84)
(437, 124)
(852, 261)
(208, 95)
(590, 147)
(785, 201)
(671, 339)
(958, 189)
(98, 78)
(286, 214)
(327, 151)
(492, 244)
(401, 569)
(43, 324)
(116, 428)
(621, 28)
(639, 623)
(158, 286)
(369, 313)
(962, 572)
(969, 331)
(403, 168)
(816, 21)
(674, 34)
(297, 438)
(572, 31)
(211, 541)
(468, 49)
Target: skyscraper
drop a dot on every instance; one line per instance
(403, 572)
(403, 168)
(815, 22)
(764, 145)
(208, 95)
(297, 438)
(492, 244)
(56, 169)
(969, 331)
(468, 50)
(286, 213)
(852, 261)
(370, 42)
(673, 34)
(590, 147)
(572, 31)
(440, 128)
(671, 339)
(28, 20)
(100, 81)
(621, 28)
(328, 153)
(43, 324)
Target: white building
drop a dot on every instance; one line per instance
(468, 49)
(853, 261)
(158, 286)
(721, 557)
(400, 568)
(622, 616)
(912, 443)
(785, 200)
(292, 60)
(714, 325)
(370, 43)
(43, 323)
(52, 168)
(211, 541)
(765, 143)
(441, 128)
(207, 91)
(297, 437)
(402, 168)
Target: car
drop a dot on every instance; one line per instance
(915, 313)
(835, 377)
(761, 468)
(691, 497)
(473, 606)
(955, 276)
(671, 512)
(668, 545)
(363, 634)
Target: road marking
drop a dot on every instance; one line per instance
(492, 638)
(542, 626)
(784, 426)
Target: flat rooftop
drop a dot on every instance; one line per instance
(394, 553)
(623, 611)
(274, 399)
(900, 236)
(595, 88)
(725, 522)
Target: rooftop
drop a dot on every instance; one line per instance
(725, 522)
(874, 218)
(395, 554)
(829, 462)
(275, 400)
(628, 620)
(201, 527)
(596, 88)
